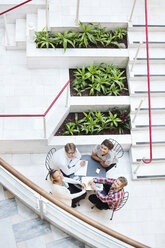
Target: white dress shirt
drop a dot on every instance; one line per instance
(61, 161)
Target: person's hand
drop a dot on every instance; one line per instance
(83, 185)
(83, 162)
(103, 164)
(92, 185)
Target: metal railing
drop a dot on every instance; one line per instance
(5, 21)
(4, 12)
(47, 111)
(148, 78)
(132, 10)
(68, 219)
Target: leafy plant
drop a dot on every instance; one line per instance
(95, 122)
(99, 79)
(71, 128)
(43, 39)
(125, 119)
(64, 38)
(87, 35)
(120, 33)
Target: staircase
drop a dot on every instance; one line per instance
(61, 18)
(138, 91)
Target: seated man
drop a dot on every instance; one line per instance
(103, 153)
(112, 194)
(67, 160)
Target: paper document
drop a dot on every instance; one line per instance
(86, 180)
(82, 171)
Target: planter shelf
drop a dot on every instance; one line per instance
(87, 142)
(102, 103)
(51, 58)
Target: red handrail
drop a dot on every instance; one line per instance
(148, 77)
(14, 7)
(56, 98)
(48, 109)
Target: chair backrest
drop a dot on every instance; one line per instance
(49, 158)
(118, 149)
(125, 199)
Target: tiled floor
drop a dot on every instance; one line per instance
(22, 228)
(140, 219)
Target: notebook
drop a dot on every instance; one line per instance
(82, 171)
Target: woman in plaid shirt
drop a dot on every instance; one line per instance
(112, 194)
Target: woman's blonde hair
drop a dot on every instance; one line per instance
(51, 176)
(69, 147)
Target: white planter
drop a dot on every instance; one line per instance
(85, 143)
(73, 57)
(102, 103)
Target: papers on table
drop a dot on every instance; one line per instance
(86, 180)
(82, 171)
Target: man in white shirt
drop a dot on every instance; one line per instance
(67, 159)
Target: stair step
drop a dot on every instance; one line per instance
(139, 36)
(31, 19)
(141, 137)
(147, 126)
(153, 142)
(155, 69)
(143, 25)
(134, 87)
(156, 54)
(151, 59)
(151, 109)
(151, 75)
(154, 159)
(62, 17)
(149, 171)
(20, 30)
(158, 120)
(152, 44)
(152, 92)
(139, 152)
(157, 103)
(41, 19)
(153, 28)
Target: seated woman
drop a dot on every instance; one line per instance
(103, 153)
(67, 160)
(64, 190)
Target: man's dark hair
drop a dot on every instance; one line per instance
(108, 144)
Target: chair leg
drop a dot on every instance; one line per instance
(112, 215)
(93, 207)
(78, 204)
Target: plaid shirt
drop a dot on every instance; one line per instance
(114, 197)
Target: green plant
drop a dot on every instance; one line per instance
(110, 40)
(97, 121)
(64, 38)
(88, 34)
(113, 120)
(43, 39)
(71, 128)
(99, 79)
(119, 33)
(125, 119)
